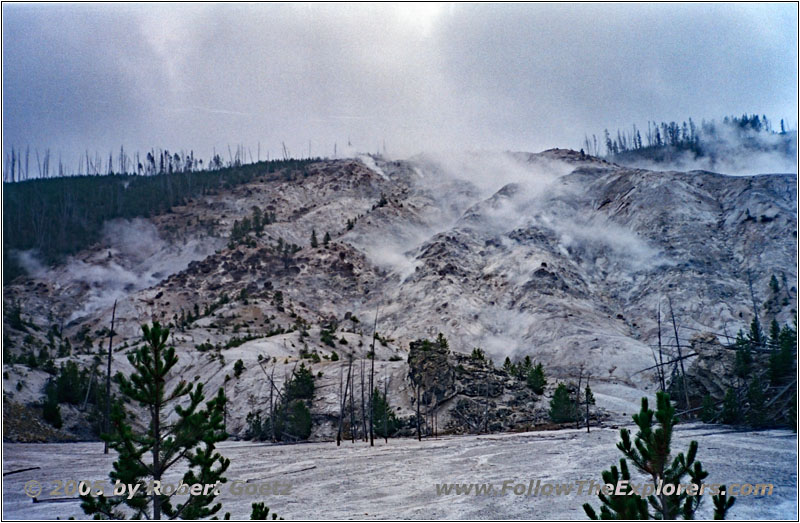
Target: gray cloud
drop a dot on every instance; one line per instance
(424, 76)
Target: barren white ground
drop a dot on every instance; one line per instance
(398, 480)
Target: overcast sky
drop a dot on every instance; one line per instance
(420, 77)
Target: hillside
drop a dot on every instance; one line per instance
(558, 256)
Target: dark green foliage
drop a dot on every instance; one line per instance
(708, 412)
(300, 385)
(260, 512)
(756, 415)
(773, 285)
(60, 216)
(15, 312)
(292, 416)
(536, 379)
(71, 383)
(334, 356)
(440, 340)
(326, 337)
(293, 421)
(478, 354)
(507, 365)
(588, 396)
(746, 134)
(51, 410)
(563, 407)
(756, 335)
(314, 242)
(651, 453)
(722, 503)
(384, 419)
(238, 368)
(189, 440)
(744, 361)
(731, 410)
(618, 506)
(327, 239)
(783, 363)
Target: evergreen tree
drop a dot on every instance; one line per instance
(708, 412)
(327, 239)
(189, 440)
(757, 400)
(756, 335)
(651, 453)
(314, 242)
(774, 334)
(300, 385)
(536, 379)
(731, 411)
(773, 285)
(51, 411)
(562, 407)
(260, 512)
(782, 364)
(385, 422)
(238, 368)
(293, 421)
(507, 365)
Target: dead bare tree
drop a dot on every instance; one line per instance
(486, 406)
(680, 355)
(416, 391)
(107, 416)
(363, 404)
(578, 398)
(352, 391)
(386, 414)
(343, 402)
(587, 403)
(660, 367)
(371, 380)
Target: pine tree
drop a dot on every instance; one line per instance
(238, 368)
(651, 453)
(383, 415)
(190, 440)
(536, 379)
(327, 239)
(314, 242)
(756, 335)
(260, 512)
(708, 412)
(757, 400)
(562, 406)
(731, 412)
(782, 364)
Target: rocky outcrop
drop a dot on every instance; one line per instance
(468, 394)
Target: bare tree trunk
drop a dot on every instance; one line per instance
(680, 355)
(272, 405)
(363, 403)
(419, 434)
(107, 416)
(339, 431)
(486, 406)
(587, 406)
(386, 414)
(660, 352)
(371, 383)
(352, 412)
(578, 400)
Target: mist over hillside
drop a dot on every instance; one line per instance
(737, 145)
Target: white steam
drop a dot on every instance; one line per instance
(133, 257)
